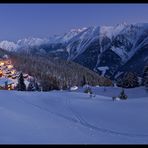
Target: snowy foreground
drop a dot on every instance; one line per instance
(60, 117)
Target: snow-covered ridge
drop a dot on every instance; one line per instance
(10, 46)
(79, 39)
(108, 31)
(32, 42)
(111, 31)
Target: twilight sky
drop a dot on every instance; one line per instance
(18, 21)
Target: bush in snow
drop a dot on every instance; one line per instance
(122, 95)
(88, 90)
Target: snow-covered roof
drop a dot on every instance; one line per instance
(3, 80)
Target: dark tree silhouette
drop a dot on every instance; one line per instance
(122, 95)
(30, 87)
(21, 85)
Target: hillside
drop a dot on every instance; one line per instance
(55, 73)
(60, 117)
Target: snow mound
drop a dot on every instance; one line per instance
(103, 69)
(74, 88)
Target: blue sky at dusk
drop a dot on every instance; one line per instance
(43, 20)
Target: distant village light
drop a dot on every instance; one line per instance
(10, 66)
(13, 72)
(8, 75)
(1, 63)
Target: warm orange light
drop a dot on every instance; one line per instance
(12, 86)
(10, 66)
(1, 63)
(13, 72)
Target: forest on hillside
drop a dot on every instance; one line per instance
(54, 73)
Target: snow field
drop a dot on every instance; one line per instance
(62, 117)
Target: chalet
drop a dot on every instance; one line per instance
(6, 84)
(8, 72)
(13, 71)
(10, 66)
(25, 75)
(9, 75)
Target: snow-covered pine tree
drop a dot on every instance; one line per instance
(21, 85)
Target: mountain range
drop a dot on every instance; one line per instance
(107, 50)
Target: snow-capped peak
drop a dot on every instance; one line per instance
(111, 31)
(124, 23)
(31, 41)
(7, 45)
(78, 30)
(68, 36)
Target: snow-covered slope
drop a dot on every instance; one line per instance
(68, 36)
(30, 42)
(60, 117)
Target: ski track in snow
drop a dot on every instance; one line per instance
(100, 129)
(49, 111)
(78, 119)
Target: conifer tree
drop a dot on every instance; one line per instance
(122, 95)
(21, 85)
